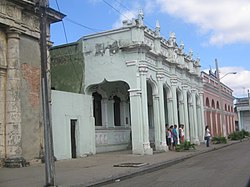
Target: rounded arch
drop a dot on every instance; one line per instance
(168, 90)
(101, 87)
(217, 105)
(207, 102)
(198, 100)
(228, 108)
(153, 84)
(213, 104)
(179, 94)
(96, 88)
(225, 108)
(189, 97)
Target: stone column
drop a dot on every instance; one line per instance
(157, 126)
(161, 112)
(186, 117)
(239, 120)
(143, 82)
(104, 104)
(175, 111)
(13, 97)
(170, 111)
(3, 70)
(191, 119)
(123, 113)
(216, 122)
(196, 139)
(111, 116)
(202, 115)
(136, 121)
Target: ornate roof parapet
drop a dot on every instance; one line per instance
(197, 66)
(139, 22)
(172, 40)
(168, 49)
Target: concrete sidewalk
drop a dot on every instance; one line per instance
(97, 169)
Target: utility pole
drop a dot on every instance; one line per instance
(221, 99)
(48, 142)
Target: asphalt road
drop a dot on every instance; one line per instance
(227, 167)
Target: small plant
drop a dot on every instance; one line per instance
(219, 140)
(238, 135)
(185, 146)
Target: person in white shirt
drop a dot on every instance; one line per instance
(207, 136)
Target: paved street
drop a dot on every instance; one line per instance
(99, 170)
(229, 166)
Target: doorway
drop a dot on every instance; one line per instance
(73, 123)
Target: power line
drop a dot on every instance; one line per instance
(89, 28)
(131, 11)
(114, 8)
(76, 73)
(66, 38)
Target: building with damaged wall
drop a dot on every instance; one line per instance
(21, 128)
(139, 82)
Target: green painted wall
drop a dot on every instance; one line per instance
(67, 67)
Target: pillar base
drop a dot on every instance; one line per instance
(196, 141)
(163, 147)
(15, 162)
(147, 149)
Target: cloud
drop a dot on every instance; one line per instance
(126, 15)
(239, 82)
(226, 20)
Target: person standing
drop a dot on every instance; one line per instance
(169, 137)
(207, 136)
(181, 133)
(175, 137)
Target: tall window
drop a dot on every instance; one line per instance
(97, 106)
(117, 117)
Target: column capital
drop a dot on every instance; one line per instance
(193, 90)
(143, 69)
(13, 33)
(134, 92)
(201, 92)
(184, 87)
(160, 75)
(173, 81)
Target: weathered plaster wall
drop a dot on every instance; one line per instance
(3, 70)
(67, 106)
(67, 62)
(30, 103)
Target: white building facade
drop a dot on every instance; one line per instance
(243, 110)
(139, 82)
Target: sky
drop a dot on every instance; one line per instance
(212, 29)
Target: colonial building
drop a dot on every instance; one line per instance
(21, 132)
(218, 105)
(243, 110)
(130, 82)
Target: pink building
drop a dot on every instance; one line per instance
(218, 105)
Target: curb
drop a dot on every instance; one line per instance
(151, 168)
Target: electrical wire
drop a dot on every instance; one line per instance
(131, 11)
(66, 38)
(76, 73)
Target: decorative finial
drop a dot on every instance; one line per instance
(140, 17)
(190, 54)
(172, 39)
(182, 46)
(157, 29)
